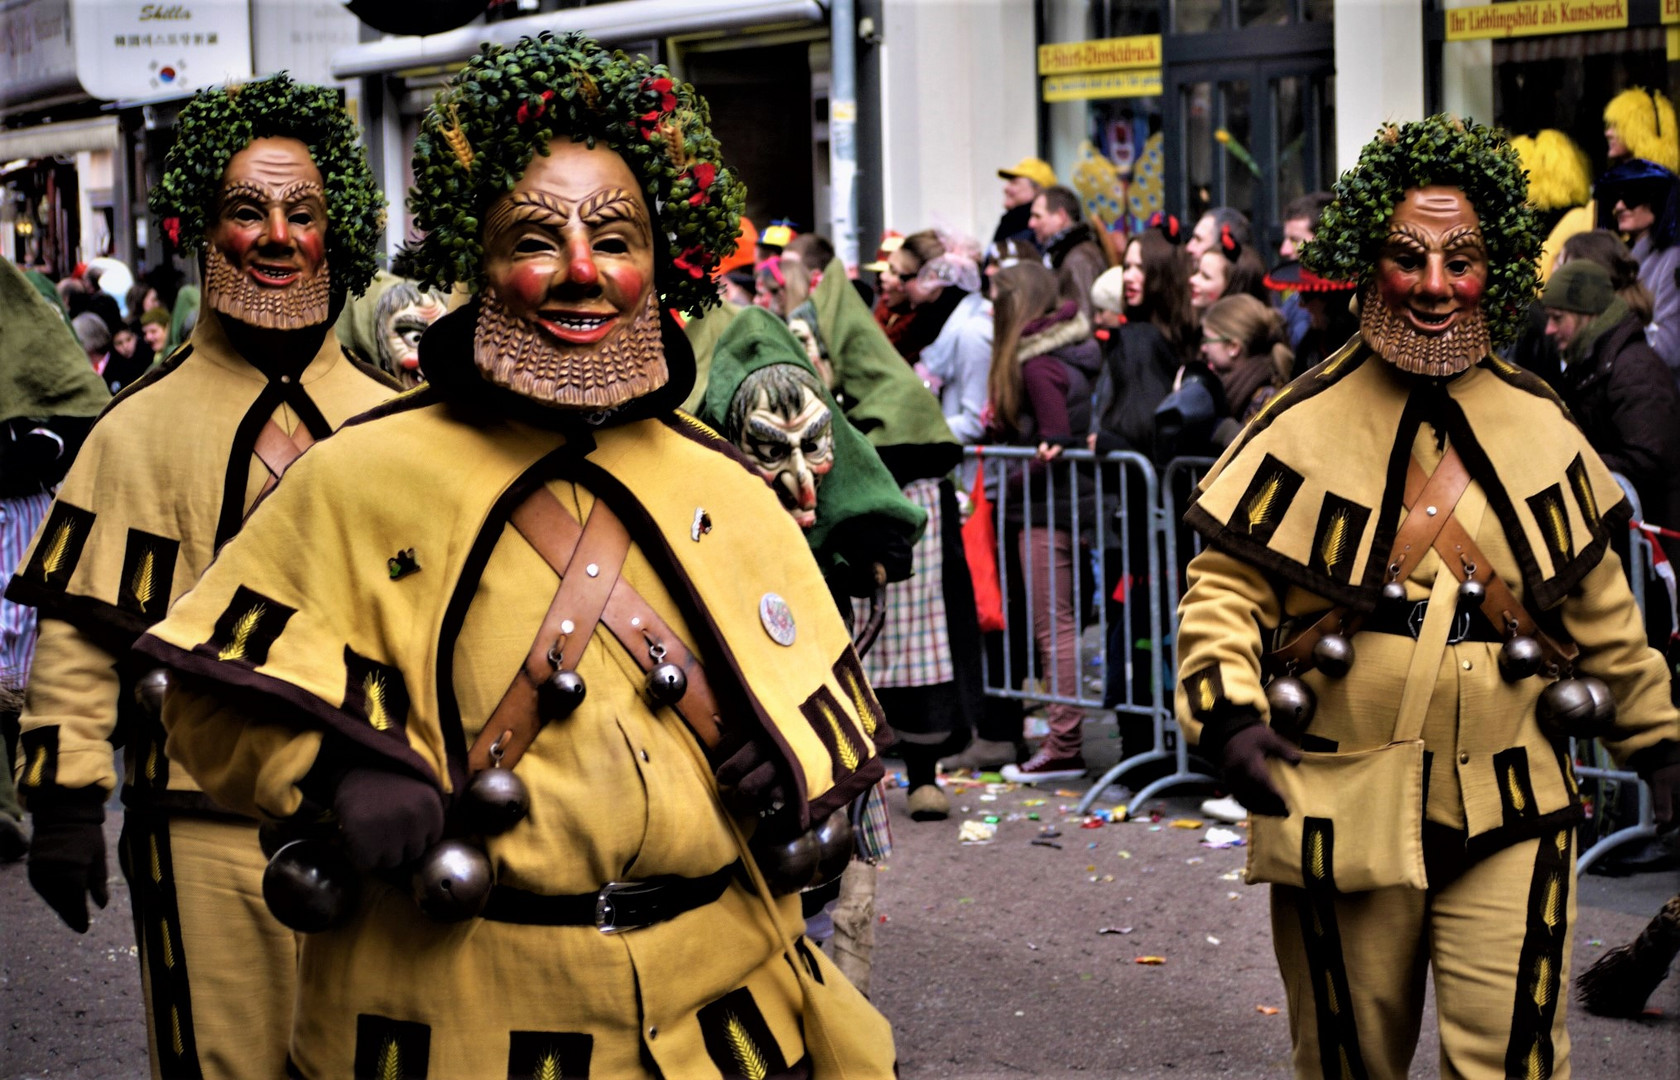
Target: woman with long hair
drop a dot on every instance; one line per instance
(1151, 344)
(1228, 268)
(1244, 346)
(1039, 393)
(914, 313)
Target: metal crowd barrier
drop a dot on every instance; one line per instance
(1151, 564)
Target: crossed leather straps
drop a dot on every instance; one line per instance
(1430, 523)
(589, 559)
(277, 450)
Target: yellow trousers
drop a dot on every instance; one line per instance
(1497, 939)
(218, 972)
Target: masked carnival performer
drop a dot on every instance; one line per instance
(523, 631)
(1398, 624)
(268, 180)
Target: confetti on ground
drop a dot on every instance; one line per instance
(1211, 940)
(1041, 842)
(1091, 823)
(1034, 802)
(1197, 861)
(1235, 875)
(1265, 1010)
(1152, 961)
(1122, 854)
(1222, 838)
(1115, 930)
(1064, 793)
(1120, 813)
(1186, 823)
(977, 832)
(1596, 943)
(988, 798)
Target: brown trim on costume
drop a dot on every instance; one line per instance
(1341, 524)
(62, 538)
(376, 694)
(1246, 549)
(698, 431)
(110, 626)
(169, 364)
(388, 1049)
(1530, 1051)
(148, 575)
(1512, 375)
(372, 371)
(1266, 502)
(246, 629)
(1204, 688)
(149, 867)
(848, 672)
(1581, 484)
(37, 752)
(823, 711)
(549, 1055)
(418, 397)
(1516, 789)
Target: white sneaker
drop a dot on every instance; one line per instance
(1226, 809)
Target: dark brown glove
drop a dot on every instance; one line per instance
(1243, 767)
(386, 819)
(752, 784)
(67, 855)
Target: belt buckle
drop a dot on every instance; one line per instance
(605, 915)
(1460, 625)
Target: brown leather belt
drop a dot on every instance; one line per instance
(589, 559)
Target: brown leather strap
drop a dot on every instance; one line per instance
(589, 567)
(1429, 506)
(277, 450)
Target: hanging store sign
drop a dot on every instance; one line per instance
(126, 49)
(1107, 54)
(1671, 11)
(1103, 84)
(1529, 18)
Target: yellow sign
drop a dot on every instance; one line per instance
(1671, 13)
(1108, 54)
(1103, 84)
(1528, 18)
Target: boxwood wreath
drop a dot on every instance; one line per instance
(509, 102)
(221, 121)
(1451, 152)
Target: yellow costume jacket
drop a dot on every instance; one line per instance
(304, 618)
(1300, 515)
(165, 477)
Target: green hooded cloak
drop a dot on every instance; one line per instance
(43, 371)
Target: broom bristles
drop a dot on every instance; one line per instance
(1622, 980)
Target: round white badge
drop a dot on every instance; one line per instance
(777, 619)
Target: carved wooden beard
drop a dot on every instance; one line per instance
(1391, 337)
(515, 355)
(233, 293)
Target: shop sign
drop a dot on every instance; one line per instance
(1107, 54)
(1671, 11)
(129, 49)
(36, 57)
(1528, 18)
(1103, 84)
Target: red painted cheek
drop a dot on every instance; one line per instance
(527, 286)
(312, 245)
(1469, 290)
(626, 281)
(236, 244)
(1394, 285)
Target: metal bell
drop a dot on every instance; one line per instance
(1604, 706)
(495, 801)
(150, 690)
(834, 846)
(1471, 594)
(1292, 704)
(1394, 592)
(1333, 655)
(790, 865)
(310, 886)
(1519, 658)
(1565, 709)
(560, 694)
(452, 882)
(666, 684)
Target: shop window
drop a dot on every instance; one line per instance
(1264, 12)
(1196, 16)
(1317, 10)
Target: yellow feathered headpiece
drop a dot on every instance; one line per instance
(1559, 172)
(1644, 120)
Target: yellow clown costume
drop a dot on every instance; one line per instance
(378, 607)
(168, 473)
(1300, 515)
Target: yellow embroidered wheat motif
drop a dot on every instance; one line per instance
(168, 945)
(37, 774)
(57, 548)
(1561, 840)
(175, 1042)
(748, 1057)
(1335, 540)
(373, 688)
(1347, 1066)
(860, 702)
(1204, 693)
(1556, 525)
(1515, 789)
(1536, 1064)
(157, 863)
(547, 1069)
(141, 584)
(1317, 926)
(1553, 913)
(242, 630)
(390, 1061)
(1316, 856)
(842, 745)
(151, 762)
(1543, 981)
(1330, 1000)
(1260, 507)
(1584, 491)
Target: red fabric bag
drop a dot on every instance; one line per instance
(979, 535)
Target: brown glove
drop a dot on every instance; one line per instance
(67, 855)
(387, 819)
(1243, 767)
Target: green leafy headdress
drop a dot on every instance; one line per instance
(221, 121)
(1451, 152)
(510, 102)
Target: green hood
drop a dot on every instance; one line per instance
(43, 370)
(703, 332)
(859, 495)
(186, 303)
(356, 329)
(883, 397)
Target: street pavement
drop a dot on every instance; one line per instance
(1001, 961)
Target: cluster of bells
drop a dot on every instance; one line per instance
(310, 885)
(1579, 708)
